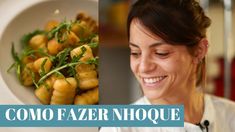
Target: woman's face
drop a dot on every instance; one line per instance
(162, 69)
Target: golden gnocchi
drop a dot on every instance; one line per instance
(64, 91)
(90, 97)
(87, 76)
(58, 62)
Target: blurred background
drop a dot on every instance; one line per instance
(118, 85)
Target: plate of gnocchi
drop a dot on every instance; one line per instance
(49, 53)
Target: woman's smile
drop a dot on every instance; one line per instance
(153, 82)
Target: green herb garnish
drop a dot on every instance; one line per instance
(88, 39)
(42, 71)
(75, 61)
(17, 64)
(62, 57)
(93, 45)
(93, 61)
(33, 77)
(60, 32)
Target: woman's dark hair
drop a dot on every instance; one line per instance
(175, 21)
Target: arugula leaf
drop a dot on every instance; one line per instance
(93, 61)
(78, 57)
(17, 64)
(31, 52)
(12, 66)
(58, 74)
(62, 56)
(75, 61)
(60, 32)
(71, 71)
(33, 77)
(56, 70)
(88, 39)
(46, 86)
(93, 45)
(14, 54)
(42, 52)
(18, 72)
(28, 52)
(42, 71)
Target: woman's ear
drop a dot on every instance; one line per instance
(201, 50)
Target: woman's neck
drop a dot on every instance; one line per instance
(194, 108)
(193, 105)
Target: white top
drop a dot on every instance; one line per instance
(218, 111)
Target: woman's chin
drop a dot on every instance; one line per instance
(152, 96)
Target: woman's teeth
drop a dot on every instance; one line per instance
(154, 79)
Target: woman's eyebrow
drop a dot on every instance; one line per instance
(156, 44)
(133, 45)
(151, 45)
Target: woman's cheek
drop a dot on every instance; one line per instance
(171, 65)
(165, 65)
(133, 66)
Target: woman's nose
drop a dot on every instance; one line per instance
(146, 65)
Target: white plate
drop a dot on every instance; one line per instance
(18, 18)
(27, 20)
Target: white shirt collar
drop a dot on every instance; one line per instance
(209, 110)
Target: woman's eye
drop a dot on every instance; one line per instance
(162, 54)
(135, 54)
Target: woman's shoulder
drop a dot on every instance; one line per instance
(220, 102)
(223, 107)
(224, 112)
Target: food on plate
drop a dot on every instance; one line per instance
(60, 62)
(90, 97)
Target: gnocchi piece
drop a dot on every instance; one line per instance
(80, 29)
(95, 39)
(86, 56)
(72, 39)
(87, 76)
(64, 91)
(95, 50)
(50, 25)
(88, 98)
(84, 67)
(91, 23)
(38, 41)
(38, 64)
(27, 59)
(44, 91)
(26, 74)
(54, 47)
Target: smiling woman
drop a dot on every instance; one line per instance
(158, 65)
(168, 45)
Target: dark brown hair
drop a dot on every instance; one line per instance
(178, 22)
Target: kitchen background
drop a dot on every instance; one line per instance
(117, 84)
